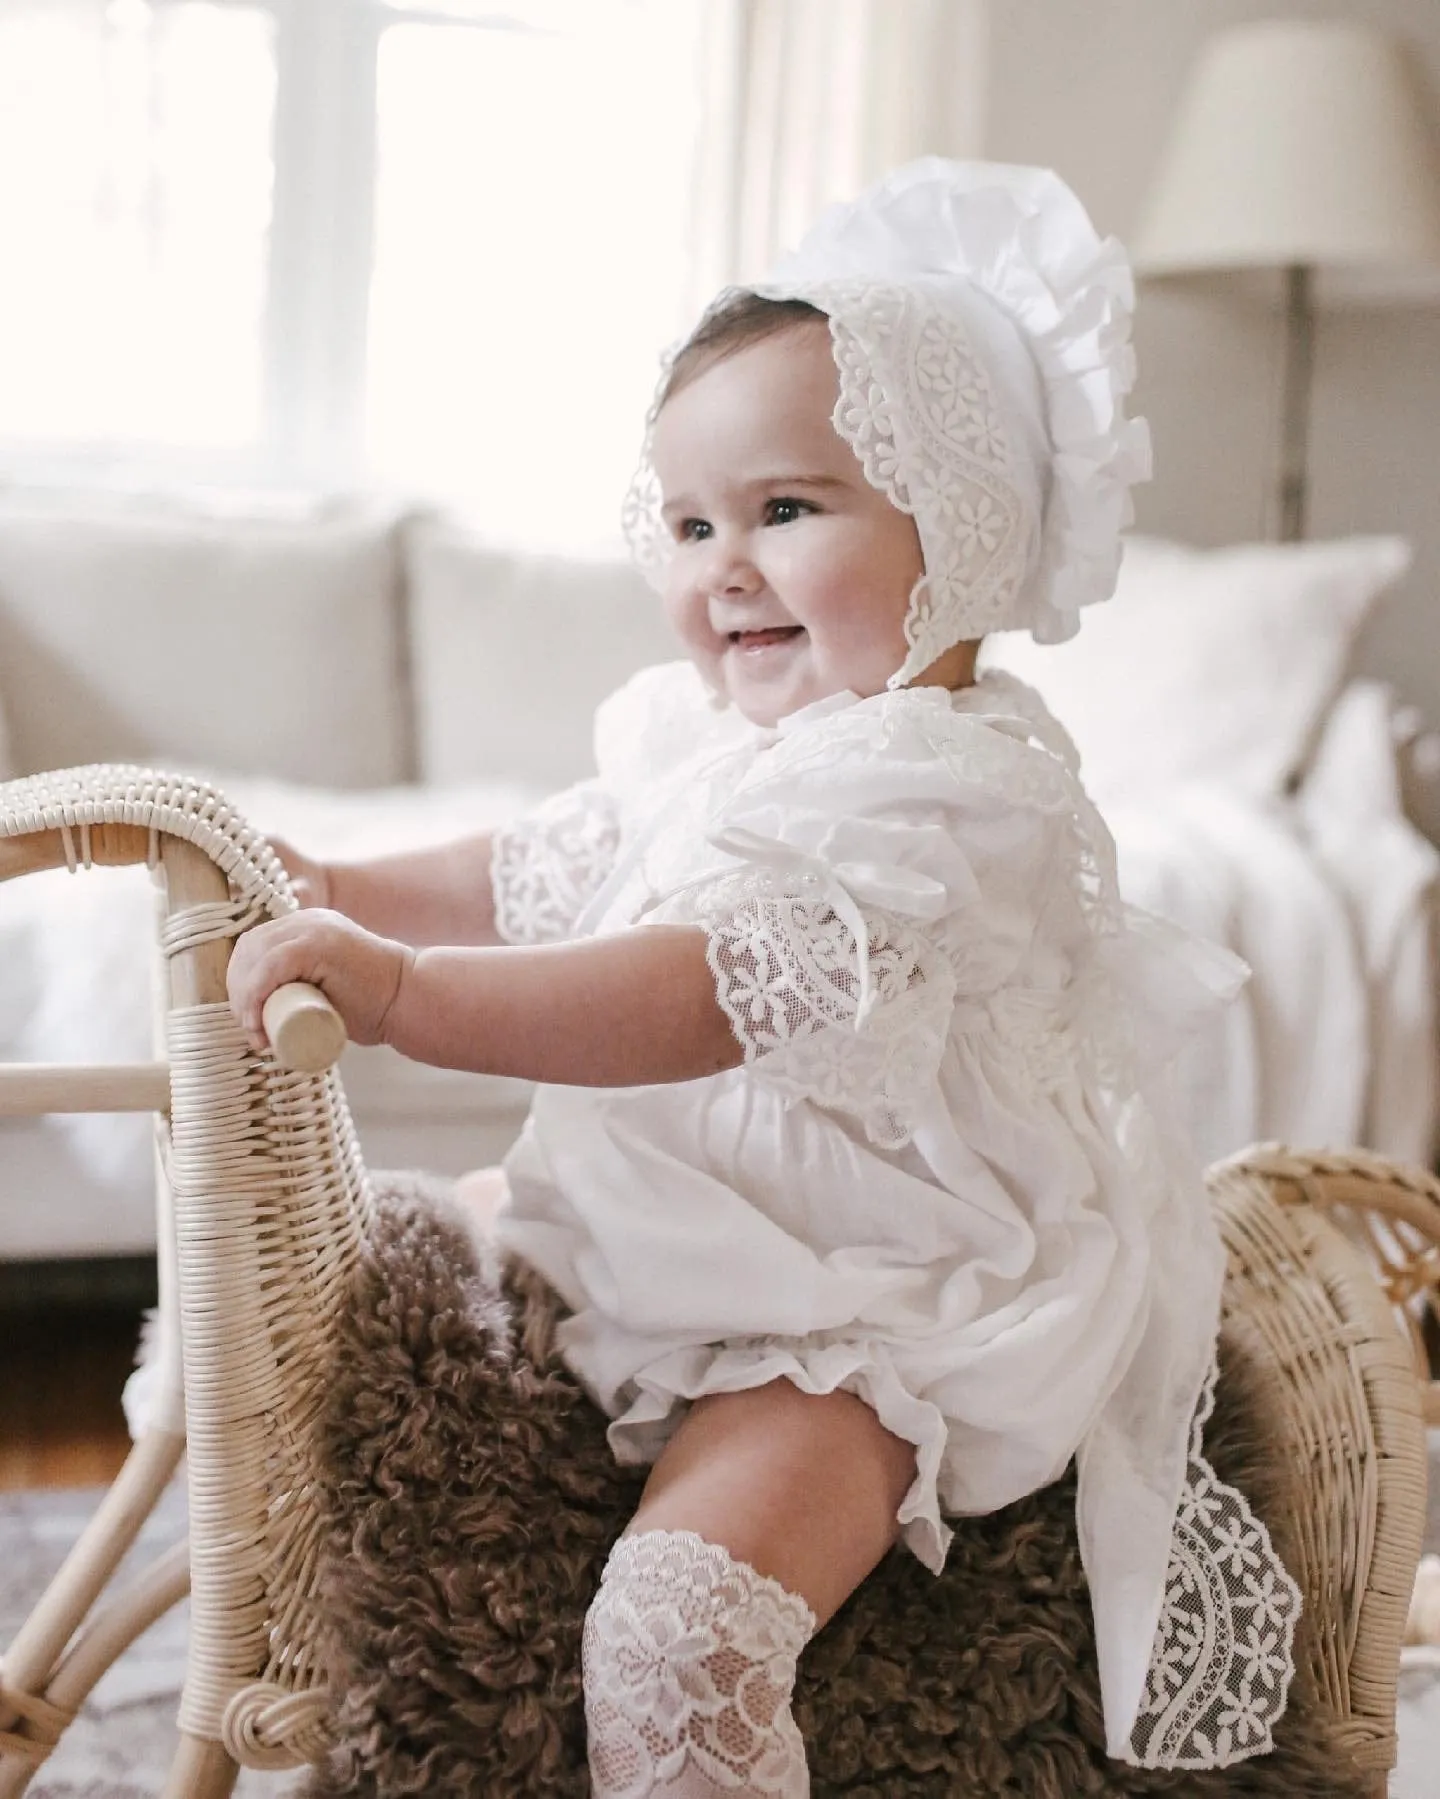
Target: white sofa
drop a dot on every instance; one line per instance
(354, 679)
(358, 681)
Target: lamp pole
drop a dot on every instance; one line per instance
(1295, 400)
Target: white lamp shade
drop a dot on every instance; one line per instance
(1297, 142)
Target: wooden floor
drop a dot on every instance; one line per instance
(61, 1373)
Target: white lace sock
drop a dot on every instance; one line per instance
(689, 1663)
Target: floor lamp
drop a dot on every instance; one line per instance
(1299, 146)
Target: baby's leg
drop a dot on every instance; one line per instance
(763, 1514)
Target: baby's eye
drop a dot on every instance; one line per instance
(784, 511)
(692, 530)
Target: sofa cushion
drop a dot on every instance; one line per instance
(513, 651)
(1208, 665)
(155, 633)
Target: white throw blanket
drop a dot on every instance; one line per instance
(1289, 1059)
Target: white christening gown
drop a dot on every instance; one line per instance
(943, 1178)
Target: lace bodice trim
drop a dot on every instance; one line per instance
(545, 868)
(1223, 1659)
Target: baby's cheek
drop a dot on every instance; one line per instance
(682, 610)
(691, 624)
(870, 638)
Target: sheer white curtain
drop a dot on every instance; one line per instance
(810, 100)
(530, 252)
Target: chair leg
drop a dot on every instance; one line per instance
(106, 1634)
(42, 1640)
(201, 1770)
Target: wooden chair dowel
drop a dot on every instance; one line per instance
(115, 1624)
(96, 1555)
(306, 1032)
(30, 1089)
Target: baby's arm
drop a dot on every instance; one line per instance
(619, 1011)
(438, 895)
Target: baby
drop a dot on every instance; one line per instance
(849, 1160)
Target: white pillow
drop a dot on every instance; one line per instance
(1213, 665)
(158, 633)
(512, 652)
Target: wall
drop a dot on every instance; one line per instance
(1089, 88)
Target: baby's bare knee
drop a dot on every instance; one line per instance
(806, 1487)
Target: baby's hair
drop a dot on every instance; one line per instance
(739, 321)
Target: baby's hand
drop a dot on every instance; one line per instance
(359, 973)
(309, 878)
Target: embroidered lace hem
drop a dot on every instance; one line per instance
(1223, 1659)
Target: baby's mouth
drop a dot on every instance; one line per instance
(760, 640)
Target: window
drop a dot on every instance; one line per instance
(135, 195)
(531, 211)
(338, 243)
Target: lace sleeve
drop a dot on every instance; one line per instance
(788, 974)
(547, 866)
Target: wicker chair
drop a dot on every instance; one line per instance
(264, 1205)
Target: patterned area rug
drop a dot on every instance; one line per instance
(121, 1745)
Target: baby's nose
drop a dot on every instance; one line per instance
(729, 569)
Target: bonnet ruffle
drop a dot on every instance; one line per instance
(952, 245)
(1023, 239)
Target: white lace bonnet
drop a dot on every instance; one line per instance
(981, 330)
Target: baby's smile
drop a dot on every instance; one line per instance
(765, 637)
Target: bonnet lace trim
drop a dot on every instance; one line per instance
(949, 465)
(545, 868)
(1223, 1659)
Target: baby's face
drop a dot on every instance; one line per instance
(791, 574)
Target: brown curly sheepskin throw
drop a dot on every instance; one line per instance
(472, 1500)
